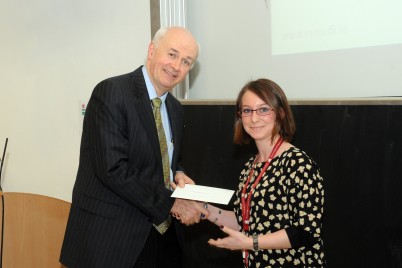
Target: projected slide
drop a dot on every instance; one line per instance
(300, 26)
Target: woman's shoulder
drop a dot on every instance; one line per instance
(298, 156)
(301, 167)
(292, 151)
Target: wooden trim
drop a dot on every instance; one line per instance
(34, 228)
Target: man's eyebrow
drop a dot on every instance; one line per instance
(176, 51)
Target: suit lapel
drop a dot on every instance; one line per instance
(147, 119)
(172, 116)
(174, 123)
(145, 113)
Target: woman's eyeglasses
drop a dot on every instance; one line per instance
(260, 111)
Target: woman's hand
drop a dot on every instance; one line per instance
(234, 241)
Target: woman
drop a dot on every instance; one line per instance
(279, 205)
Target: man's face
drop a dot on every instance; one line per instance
(169, 62)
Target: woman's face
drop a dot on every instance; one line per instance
(259, 127)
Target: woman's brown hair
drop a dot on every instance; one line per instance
(272, 94)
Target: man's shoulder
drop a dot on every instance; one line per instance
(122, 85)
(132, 80)
(136, 75)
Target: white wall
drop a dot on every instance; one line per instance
(53, 53)
(312, 48)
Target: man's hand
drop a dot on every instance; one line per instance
(181, 179)
(188, 211)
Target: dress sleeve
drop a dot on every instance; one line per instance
(298, 237)
(306, 201)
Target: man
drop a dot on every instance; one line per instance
(119, 196)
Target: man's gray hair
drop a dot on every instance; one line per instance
(158, 35)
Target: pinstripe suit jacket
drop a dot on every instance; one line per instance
(119, 191)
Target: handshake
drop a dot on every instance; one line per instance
(187, 212)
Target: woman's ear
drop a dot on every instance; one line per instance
(281, 113)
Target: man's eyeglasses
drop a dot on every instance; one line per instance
(260, 111)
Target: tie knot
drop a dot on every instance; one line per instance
(156, 102)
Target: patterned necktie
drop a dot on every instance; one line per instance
(156, 103)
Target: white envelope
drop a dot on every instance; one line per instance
(204, 193)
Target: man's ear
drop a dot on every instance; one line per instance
(151, 50)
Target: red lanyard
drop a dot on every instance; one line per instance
(246, 203)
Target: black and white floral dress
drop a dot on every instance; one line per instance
(289, 196)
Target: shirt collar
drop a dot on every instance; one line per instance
(151, 90)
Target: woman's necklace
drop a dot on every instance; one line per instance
(246, 202)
